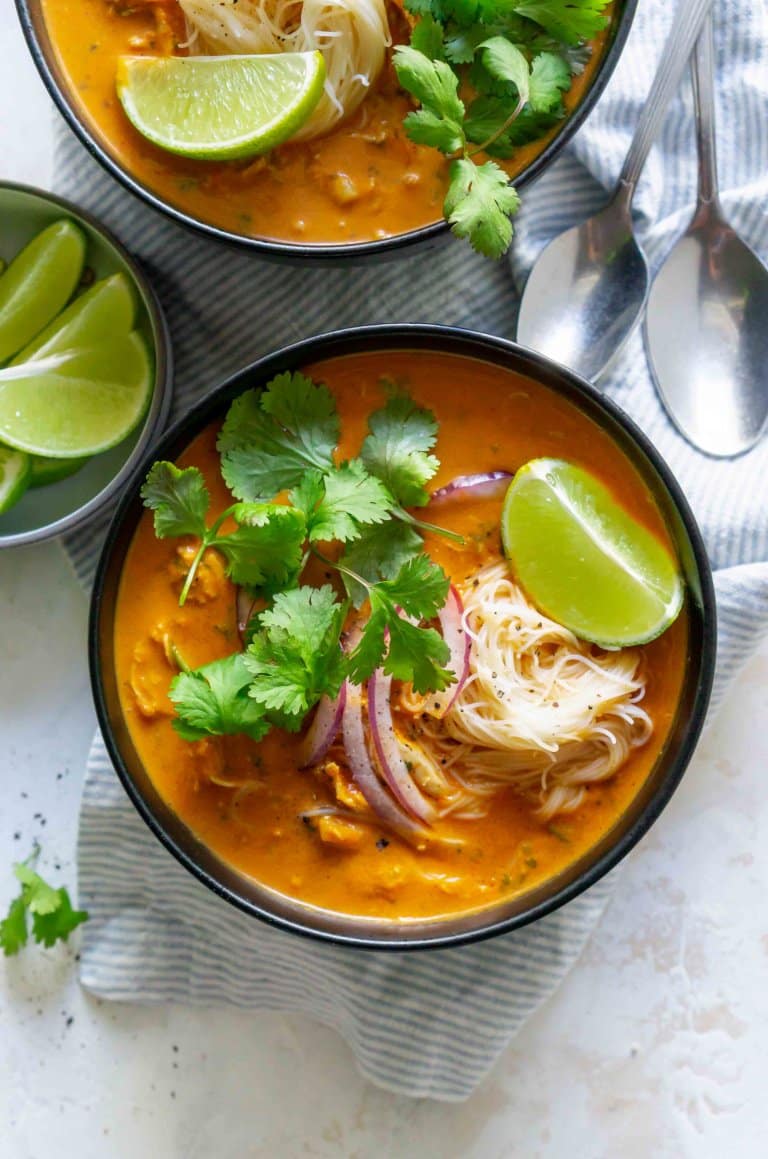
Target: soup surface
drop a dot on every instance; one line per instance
(246, 800)
(363, 181)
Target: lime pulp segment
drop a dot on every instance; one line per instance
(584, 560)
(107, 309)
(220, 107)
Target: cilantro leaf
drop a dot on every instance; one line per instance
(13, 927)
(486, 116)
(427, 37)
(270, 437)
(213, 701)
(550, 78)
(432, 82)
(339, 504)
(397, 449)
(53, 918)
(179, 499)
(427, 128)
(478, 204)
(379, 554)
(412, 653)
(505, 62)
(295, 657)
(567, 20)
(266, 549)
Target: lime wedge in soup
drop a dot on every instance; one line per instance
(107, 309)
(78, 402)
(583, 560)
(15, 475)
(220, 107)
(38, 283)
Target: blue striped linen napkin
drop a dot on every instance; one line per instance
(428, 1025)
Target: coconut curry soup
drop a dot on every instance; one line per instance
(401, 637)
(361, 167)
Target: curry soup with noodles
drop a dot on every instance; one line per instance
(249, 801)
(363, 181)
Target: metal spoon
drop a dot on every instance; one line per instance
(706, 329)
(587, 289)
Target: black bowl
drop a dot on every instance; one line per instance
(44, 55)
(370, 933)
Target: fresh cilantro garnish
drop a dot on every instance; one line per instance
(53, 918)
(514, 56)
(341, 502)
(397, 449)
(214, 701)
(271, 437)
(378, 554)
(179, 499)
(295, 657)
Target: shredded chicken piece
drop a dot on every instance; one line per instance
(340, 832)
(345, 791)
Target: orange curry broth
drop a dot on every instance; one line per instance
(363, 181)
(490, 418)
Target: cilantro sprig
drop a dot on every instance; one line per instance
(489, 76)
(52, 914)
(295, 500)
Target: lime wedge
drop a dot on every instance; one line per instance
(15, 474)
(107, 309)
(76, 403)
(46, 471)
(219, 107)
(38, 283)
(583, 560)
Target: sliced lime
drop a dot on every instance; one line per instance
(76, 403)
(15, 474)
(219, 107)
(583, 560)
(46, 471)
(38, 284)
(107, 308)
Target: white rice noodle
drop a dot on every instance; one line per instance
(540, 709)
(353, 36)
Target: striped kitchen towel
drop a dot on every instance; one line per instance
(419, 1024)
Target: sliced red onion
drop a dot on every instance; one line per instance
(390, 759)
(485, 486)
(365, 776)
(244, 605)
(323, 730)
(451, 617)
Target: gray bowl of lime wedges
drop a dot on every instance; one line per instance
(85, 365)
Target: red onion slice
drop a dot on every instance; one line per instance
(323, 730)
(485, 486)
(451, 617)
(365, 776)
(390, 759)
(244, 605)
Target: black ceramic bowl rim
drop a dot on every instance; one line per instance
(693, 702)
(160, 403)
(33, 26)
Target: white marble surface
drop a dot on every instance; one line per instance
(654, 1048)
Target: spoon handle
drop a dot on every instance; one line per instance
(704, 103)
(688, 19)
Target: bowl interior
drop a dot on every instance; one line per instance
(507, 914)
(42, 511)
(46, 58)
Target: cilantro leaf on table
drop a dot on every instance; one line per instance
(379, 554)
(341, 502)
(295, 656)
(397, 449)
(405, 650)
(178, 498)
(213, 701)
(271, 437)
(265, 550)
(478, 204)
(53, 917)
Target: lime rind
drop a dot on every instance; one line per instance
(38, 283)
(106, 309)
(15, 477)
(216, 108)
(47, 471)
(584, 560)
